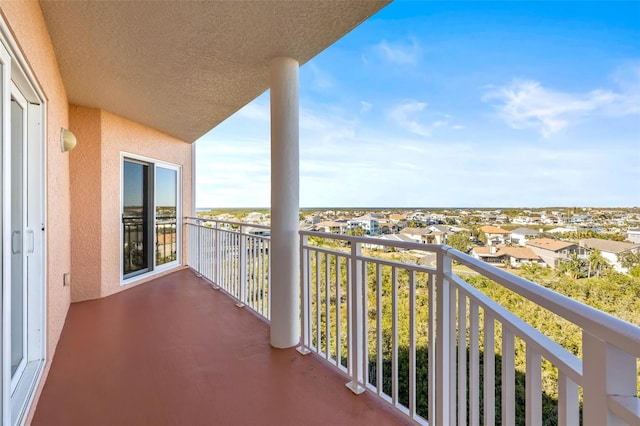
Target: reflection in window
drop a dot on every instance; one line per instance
(166, 215)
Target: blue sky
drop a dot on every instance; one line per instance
(454, 104)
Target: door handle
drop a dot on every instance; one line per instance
(15, 242)
(32, 243)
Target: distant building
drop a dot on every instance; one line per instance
(369, 223)
(333, 226)
(521, 235)
(495, 235)
(611, 250)
(633, 235)
(378, 242)
(554, 251)
(415, 234)
(514, 256)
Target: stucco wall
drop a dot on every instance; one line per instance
(86, 200)
(118, 135)
(95, 186)
(28, 27)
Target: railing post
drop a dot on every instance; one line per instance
(304, 298)
(242, 272)
(198, 224)
(444, 352)
(216, 255)
(607, 370)
(356, 338)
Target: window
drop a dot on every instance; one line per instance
(151, 234)
(23, 230)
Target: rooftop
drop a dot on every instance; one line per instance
(549, 244)
(608, 245)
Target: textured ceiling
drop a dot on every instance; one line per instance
(182, 67)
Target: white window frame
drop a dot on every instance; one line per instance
(15, 75)
(154, 269)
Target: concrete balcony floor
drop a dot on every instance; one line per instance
(176, 352)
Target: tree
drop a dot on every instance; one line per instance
(597, 263)
(356, 232)
(574, 266)
(629, 259)
(459, 241)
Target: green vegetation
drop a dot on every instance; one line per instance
(605, 290)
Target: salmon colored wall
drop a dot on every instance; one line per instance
(121, 135)
(95, 187)
(86, 201)
(28, 27)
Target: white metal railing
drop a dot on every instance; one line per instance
(437, 349)
(425, 340)
(234, 257)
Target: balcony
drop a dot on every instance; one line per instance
(413, 343)
(176, 352)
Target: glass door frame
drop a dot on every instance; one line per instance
(17, 81)
(153, 267)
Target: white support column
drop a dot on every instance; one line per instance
(285, 206)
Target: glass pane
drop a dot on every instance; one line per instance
(166, 215)
(134, 218)
(17, 256)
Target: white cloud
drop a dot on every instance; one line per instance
(527, 104)
(365, 107)
(400, 53)
(411, 117)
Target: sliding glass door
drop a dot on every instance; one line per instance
(150, 212)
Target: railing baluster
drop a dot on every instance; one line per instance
(412, 344)
(394, 336)
(508, 378)
(365, 324)
(489, 363)
(433, 376)
(242, 267)
(327, 307)
(339, 312)
(474, 365)
(462, 359)
(318, 309)
(568, 402)
(379, 363)
(533, 387)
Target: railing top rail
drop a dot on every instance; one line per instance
(435, 248)
(602, 325)
(229, 222)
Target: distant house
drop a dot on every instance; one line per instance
(562, 230)
(633, 235)
(515, 256)
(611, 250)
(554, 251)
(378, 242)
(415, 234)
(333, 226)
(521, 235)
(495, 235)
(437, 234)
(369, 223)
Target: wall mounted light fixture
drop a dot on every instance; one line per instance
(67, 140)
